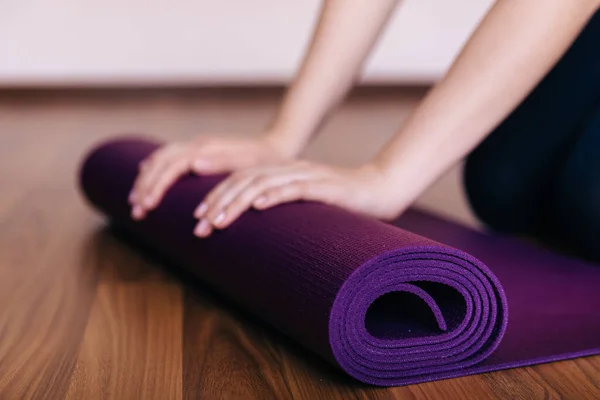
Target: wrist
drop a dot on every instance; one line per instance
(397, 185)
(286, 142)
(377, 191)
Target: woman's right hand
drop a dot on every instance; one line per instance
(205, 155)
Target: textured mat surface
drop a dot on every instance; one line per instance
(391, 305)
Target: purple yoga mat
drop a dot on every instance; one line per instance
(390, 305)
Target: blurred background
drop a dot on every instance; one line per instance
(203, 42)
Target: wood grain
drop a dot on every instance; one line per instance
(83, 315)
(142, 361)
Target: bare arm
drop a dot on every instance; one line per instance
(346, 32)
(516, 44)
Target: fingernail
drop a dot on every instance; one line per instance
(220, 218)
(260, 201)
(137, 212)
(200, 210)
(131, 198)
(201, 229)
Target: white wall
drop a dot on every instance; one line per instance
(95, 42)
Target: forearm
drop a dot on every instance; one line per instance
(516, 44)
(345, 33)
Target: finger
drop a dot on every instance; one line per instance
(136, 195)
(235, 179)
(143, 169)
(243, 200)
(210, 199)
(203, 229)
(164, 181)
(247, 189)
(215, 201)
(137, 212)
(200, 210)
(148, 168)
(319, 190)
(206, 163)
(160, 167)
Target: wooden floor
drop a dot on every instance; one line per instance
(83, 316)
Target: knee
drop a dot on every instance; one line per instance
(576, 199)
(498, 192)
(576, 211)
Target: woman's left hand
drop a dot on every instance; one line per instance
(361, 190)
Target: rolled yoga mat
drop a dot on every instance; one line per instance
(390, 305)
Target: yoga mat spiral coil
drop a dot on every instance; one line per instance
(387, 305)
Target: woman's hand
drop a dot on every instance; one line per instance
(205, 155)
(361, 190)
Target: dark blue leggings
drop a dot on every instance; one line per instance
(538, 173)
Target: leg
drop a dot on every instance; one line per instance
(575, 207)
(508, 176)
